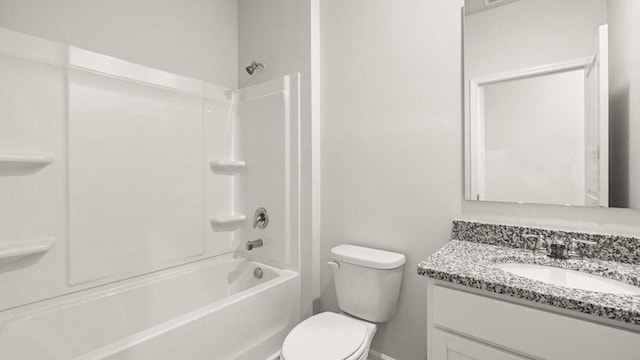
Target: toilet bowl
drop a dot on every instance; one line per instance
(367, 285)
(329, 336)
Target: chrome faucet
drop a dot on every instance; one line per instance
(260, 218)
(557, 248)
(254, 244)
(540, 244)
(575, 251)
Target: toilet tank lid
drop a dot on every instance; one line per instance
(367, 257)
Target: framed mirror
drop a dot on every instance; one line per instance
(544, 122)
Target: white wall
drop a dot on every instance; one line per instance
(530, 33)
(535, 139)
(196, 38)
(624, 83)
(392, 147)
(278, 33)
(391, 142)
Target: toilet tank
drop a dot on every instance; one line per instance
(367, 281)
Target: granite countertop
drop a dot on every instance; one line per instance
(470, 263)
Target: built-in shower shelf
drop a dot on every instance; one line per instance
(23, 164)
(227, 167)
(14, 251)
(227, 222)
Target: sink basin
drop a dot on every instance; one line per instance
(569, 278)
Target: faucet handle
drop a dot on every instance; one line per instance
(580, 241)
(260, 218)
(574, 250)
(533, 236)
(540, 244)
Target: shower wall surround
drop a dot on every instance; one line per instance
(113, 169)
(269, 115)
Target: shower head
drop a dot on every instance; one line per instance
(255, 66)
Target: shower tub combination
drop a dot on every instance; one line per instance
(221, 308)
(151, 265)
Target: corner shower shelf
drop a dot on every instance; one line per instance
(23, 164)
(227, 167)
(14, 251)
(227, 222)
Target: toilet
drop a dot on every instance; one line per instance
(367, 283)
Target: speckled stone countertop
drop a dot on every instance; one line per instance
(469, 260)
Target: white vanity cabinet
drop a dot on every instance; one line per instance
(453, 347)
(469, 325)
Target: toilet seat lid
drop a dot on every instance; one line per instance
(326, 336)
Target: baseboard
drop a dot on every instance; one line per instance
(375, 355)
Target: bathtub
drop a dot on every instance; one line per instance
(212, 309)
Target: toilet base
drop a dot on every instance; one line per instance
(371, 332)
(370, 329)
(335, 319)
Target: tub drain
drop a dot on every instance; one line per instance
(258, 273)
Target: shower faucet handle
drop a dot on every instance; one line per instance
(260, 218)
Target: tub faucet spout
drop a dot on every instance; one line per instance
(254, 244)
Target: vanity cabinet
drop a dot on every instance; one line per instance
(447, 346)
(469, 325)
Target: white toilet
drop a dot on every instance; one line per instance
(367, 283)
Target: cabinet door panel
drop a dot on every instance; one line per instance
(539, 334)
(447, 346)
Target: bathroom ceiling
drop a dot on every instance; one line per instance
(475, 6)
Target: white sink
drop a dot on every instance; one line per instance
(569, 278)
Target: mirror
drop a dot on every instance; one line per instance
(547, 105)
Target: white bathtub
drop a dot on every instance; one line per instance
(212, 309)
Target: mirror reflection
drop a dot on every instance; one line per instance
(547, 116)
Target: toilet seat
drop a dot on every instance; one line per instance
(326, 336)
